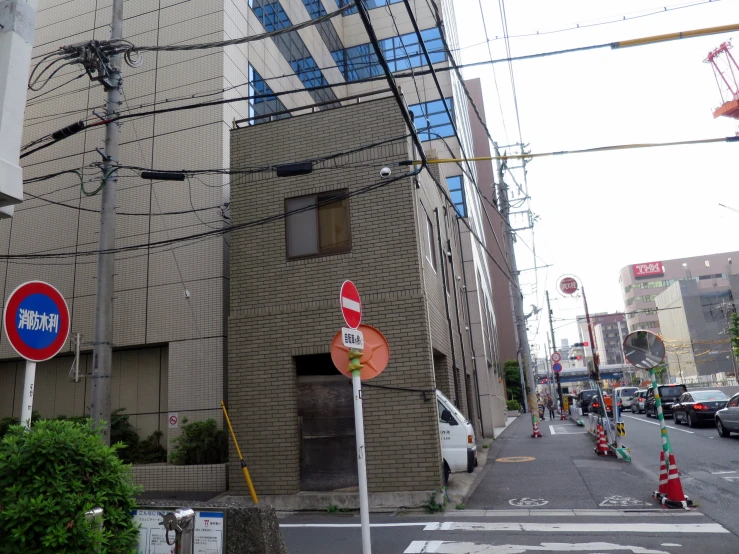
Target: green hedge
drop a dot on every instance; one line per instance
(513, 405)
(50, 476)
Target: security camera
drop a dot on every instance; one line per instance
(385, 172)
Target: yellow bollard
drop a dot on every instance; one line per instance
(241, 458)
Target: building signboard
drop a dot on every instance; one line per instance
(650, 269)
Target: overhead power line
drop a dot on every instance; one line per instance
(580, 151)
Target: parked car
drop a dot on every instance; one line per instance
(698, 406)
(584, 397)
(458, 448)
(727, 419)
(638, 401)
(623, 395)
(669, 394)
(594, 406)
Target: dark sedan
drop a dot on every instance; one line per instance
(698, 406)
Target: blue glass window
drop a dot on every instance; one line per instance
(307, 71)
(401, 53)
(456, 191)
(315, 8)
(266, 105)
(370, 4)
(431, 119)
(271, 15)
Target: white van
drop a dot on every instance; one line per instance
(458, 446)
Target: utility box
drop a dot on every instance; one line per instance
(17, 25)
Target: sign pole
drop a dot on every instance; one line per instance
(361, 463)
(27, 407)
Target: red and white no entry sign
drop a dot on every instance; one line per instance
(351, 306)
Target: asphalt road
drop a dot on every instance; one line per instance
(708, 463)
(536, 495)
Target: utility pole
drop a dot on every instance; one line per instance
(554, 346)
(523, 338)
(102, 359)
(17, 27)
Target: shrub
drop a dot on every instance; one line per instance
(513, 405)
(201, 442)
(49, 477)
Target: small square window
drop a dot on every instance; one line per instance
(317, 225)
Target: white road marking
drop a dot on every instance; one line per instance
(731, 479)
(721, 472)
(528, 502)
(650, 528)
(623, 501)
(551, 429)
(670, 544)
(444, 547)
(337, 525)
(657, 423)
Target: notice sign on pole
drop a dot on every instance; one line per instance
(209, 527)
(352, 338)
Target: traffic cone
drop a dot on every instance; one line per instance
(675, 497)
(563, 416)
(661, 493)
(536, 434)
(601, 444)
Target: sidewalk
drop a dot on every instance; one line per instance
(559, 471)
(462, 485)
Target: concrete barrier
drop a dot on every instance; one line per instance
(248, 529)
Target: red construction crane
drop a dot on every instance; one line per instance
(726, 71)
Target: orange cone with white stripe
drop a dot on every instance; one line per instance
(601, 444)
(662, 491)
(675, 497)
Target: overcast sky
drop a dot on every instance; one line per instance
(600, 212)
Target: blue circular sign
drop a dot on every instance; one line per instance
(36, 321)
(557, 368)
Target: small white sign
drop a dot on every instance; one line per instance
(209, 527)
(351, 338)
(174, 421)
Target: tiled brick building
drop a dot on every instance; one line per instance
(399, 245)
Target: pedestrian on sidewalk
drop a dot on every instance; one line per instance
(550, 407)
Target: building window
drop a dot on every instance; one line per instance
(315, 8)
(431, 119)
(430, 250)
(320, 225)
(456, 191)
(369, 4)
(401, 53)
(265, 105)
(270, 14)
(308, 72)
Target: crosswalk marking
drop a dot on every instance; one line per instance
(650, 528)
(445, 547)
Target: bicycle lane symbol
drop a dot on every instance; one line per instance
(528, 502)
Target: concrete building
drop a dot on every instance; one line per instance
(400, 245)
(607, 332)
(489, 370)
(693, 320)
(172, 300)
(641, 283)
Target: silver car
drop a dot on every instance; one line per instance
(638, 400)
(727, 419)
(624, 396)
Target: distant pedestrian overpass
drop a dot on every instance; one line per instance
(578, 374)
